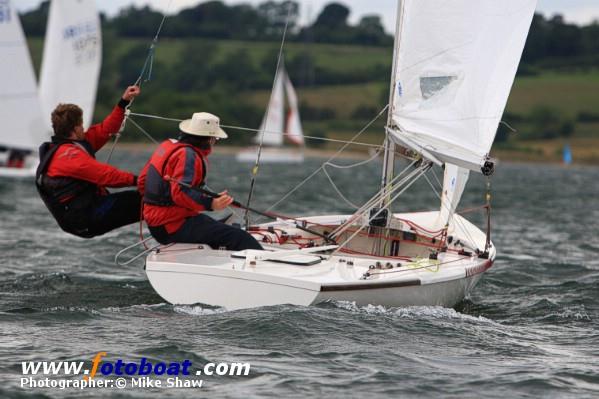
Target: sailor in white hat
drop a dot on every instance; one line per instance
(173, 206)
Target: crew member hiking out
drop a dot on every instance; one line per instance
(172, 209)
(72, 183)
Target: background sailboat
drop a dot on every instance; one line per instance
(72, 57)
(275, 127)
(23, 127)
(69, 74)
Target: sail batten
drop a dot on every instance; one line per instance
(456, 63)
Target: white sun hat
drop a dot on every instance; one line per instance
(203, 124)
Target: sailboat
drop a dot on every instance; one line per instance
(453, 67)
(275, 127)
(22, 128)
(72, 57)
(69, 74)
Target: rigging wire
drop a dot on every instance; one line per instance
(337, 190)
(258, 156)
(145, 70)
(409, 180)
(335, 155)
(457, 221)
(251, 130)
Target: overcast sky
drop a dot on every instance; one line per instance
(577, 11)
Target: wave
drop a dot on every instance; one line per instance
(196, 310)
(412, 312)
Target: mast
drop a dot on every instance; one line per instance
(389, 158)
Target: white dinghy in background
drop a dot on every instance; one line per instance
(275, 127)
(454, 64)
(23, 127)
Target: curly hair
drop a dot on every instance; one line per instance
(65, 118)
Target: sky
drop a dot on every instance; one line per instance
(575, 11)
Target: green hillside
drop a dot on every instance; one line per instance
(232, 79)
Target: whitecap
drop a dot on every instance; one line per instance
(412, 312)
(197, 310)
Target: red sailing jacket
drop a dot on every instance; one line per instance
(70, 160)
(167, 203)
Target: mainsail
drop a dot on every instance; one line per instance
(20, 112)
(294, 132)
(274, 124)
(456, 63)
(72, 56)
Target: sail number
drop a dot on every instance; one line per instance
(85, 41)
(4, 11)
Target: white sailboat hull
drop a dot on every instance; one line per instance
(189, 274)
(271, 155)
(27, 171)
(17, 172)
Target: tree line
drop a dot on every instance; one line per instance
(552, 42)
(217, 20)
(193, 80)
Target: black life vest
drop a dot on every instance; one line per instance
(157, 188)
(68, 199)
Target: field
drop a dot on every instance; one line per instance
(568, 94)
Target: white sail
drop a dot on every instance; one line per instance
(72, 56)
(456, 63)
(273, 123)
(294, 132)
(20, 111)
(454, 182)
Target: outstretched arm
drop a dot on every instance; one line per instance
(99, 134)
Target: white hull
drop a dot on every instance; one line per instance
(17, 172)
(27, 171)
(271, 155)
(188, 274)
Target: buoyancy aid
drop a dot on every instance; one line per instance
(157, 188)
(68, 199)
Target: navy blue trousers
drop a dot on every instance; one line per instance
(203, 229)
(112, 211)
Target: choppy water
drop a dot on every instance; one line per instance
(530, 329)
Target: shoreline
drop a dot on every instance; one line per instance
(585, 151)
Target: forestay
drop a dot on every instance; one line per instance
(456, 63)
(20, 112)
(72, 56)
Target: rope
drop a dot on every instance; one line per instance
(251, 130)
(457, 221)
(143, 131)
(337, 190)
(149, 62)
(258, 156)
(410, 179)
(335, 155)
(148, 65)
(343, 197)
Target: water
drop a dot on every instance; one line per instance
(530, 329)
